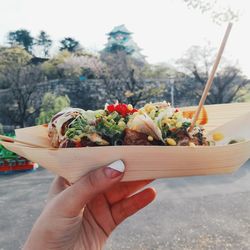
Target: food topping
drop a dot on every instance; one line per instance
(217, 136)
(122, 124)
(121, 108)
(170, 142)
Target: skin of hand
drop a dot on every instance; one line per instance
(83, 215)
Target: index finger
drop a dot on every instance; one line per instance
(58, 185)
(124, 189)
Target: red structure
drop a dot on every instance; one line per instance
(11, 162)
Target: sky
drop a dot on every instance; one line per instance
(164, 29)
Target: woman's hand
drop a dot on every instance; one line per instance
(83, 215)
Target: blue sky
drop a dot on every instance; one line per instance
(164, 29)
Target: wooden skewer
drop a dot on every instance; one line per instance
(211, 77)
(10, 139)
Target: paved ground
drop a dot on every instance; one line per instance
(189, 213)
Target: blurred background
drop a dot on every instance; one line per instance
(87, 53)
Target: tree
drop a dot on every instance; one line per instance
(228, 82)
(219, 13)
(125, 82)
(158, 71)
(51, 104)
(51, 69)
(85, 65)
(43, 40)
(69, 44)
(11, 58)
(72, 65)
(120, 64)
(20, 103)
(22, 38)
(245, 94)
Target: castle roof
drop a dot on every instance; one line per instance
(120, 28)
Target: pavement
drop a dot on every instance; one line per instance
(196, 213)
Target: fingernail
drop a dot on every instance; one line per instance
(115, 169)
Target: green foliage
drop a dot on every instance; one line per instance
(22, 38)
(51, 105)
(70, 44)
(20, 78)
(14, 55)
(50, 68)
(247, 97)
(44, 42)
(244, 94)
(20, 102)
(11, 59)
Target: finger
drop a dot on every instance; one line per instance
(101, 208)
(124, 189)
(125, 208)
(58, 185)
(73, 199)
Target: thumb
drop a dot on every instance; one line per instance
(72, 200)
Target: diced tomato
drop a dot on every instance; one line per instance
(111, 108)
(121, 108)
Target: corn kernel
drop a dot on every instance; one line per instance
(81, 135)
(217, 136)
(164, 121)
(177, 115)
(172, 122)
(121, 124)
(130, 107)
(171, 141)
(168, 120)
(178, 124)
(152, 113)
(77, 138)
(150, 138)
(148, 107)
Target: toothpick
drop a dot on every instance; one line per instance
(10, 139)
(211, 77)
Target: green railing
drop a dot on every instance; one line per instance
(5, 153)
(10, 159)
